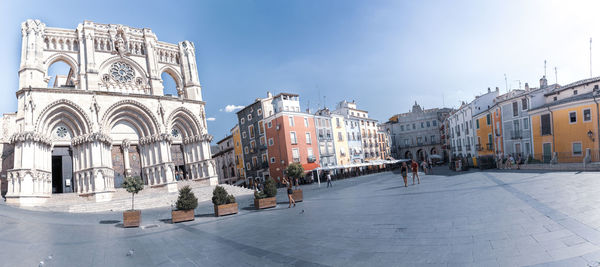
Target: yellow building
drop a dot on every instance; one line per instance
(565, 126)
(239, 157)
(484, 133)
(340, 139)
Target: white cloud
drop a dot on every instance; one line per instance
(232, 108)
(211, 119)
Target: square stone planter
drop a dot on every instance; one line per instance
(265, 203)
(132, 218)
(297, 195)
(226, 209)
(182, 216)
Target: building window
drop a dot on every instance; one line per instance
(251, 131)
(422, 125)
(488, 119)
(546, 124)
(261, 127)
(587, 115)
(401, 128)
(340, 138)
(242, 120)
(555, 98)
(262, 140)
(293, 138)
(245, 150)
(254, 161)
(271, 142)
(414, 126)
(573, 117)
(244, 134)
(577, 149)
(291, 119)
(526, 123)
(269, 125)
(337, 122)
(249, 117)
(247, 165)
(434, 123)
(524, 104)
(308, 139)
(272, 159)
(252, 144)
(295, 155)
(264, 158)
(305, 122)
(477, 123)
(574, 92)
(259, 112)
(309, 152)
(515, 107)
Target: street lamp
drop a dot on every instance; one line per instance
(591, 135)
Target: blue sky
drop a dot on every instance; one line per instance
(383, 54)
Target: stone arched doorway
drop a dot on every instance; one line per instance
(407, 155)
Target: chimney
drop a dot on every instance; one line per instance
(269, 95)
(489, 90)
(526, 86)
(543, 82)
(497, 89)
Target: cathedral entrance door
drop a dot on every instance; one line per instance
(62, 170)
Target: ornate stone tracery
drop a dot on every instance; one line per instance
(116, 77)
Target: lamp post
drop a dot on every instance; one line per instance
(591, 135)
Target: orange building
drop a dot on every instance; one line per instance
(565, 128)
(498, 145)
(291, 137)
(484, 133)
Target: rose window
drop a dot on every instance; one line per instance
(61, 131)
(122, 72)
(175, 133)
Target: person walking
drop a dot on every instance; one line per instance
(329, 180)
(404, 172)
(424, 166)
(290, 192)
(415, 171)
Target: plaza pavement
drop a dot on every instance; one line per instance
(495, 218)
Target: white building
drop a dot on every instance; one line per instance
(368, 128)
(461, 130)
(109, 119)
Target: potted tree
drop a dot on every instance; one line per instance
(295, 171)
(133, 185)
(186, 203)
(266, 198)
(224, 203)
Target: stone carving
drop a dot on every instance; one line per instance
(161, 112)
(198, 138)
(89, 138)
(95, 108)
(147, 112)
(57, 104)
(125, 144)
(156, 138)
(122, 72)
(35, 26)
(120, 42)
(29, 136)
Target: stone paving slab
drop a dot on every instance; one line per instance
(495, 218)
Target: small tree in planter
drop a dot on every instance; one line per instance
(295, 171)
(224, 203)
(186, 203)
(133, 185)
(266, 198)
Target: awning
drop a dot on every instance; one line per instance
(310, 166)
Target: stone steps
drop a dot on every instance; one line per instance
(146, 199)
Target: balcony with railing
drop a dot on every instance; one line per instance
(489, 147)
(311, 159)
(514, 135)
(478, 147)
